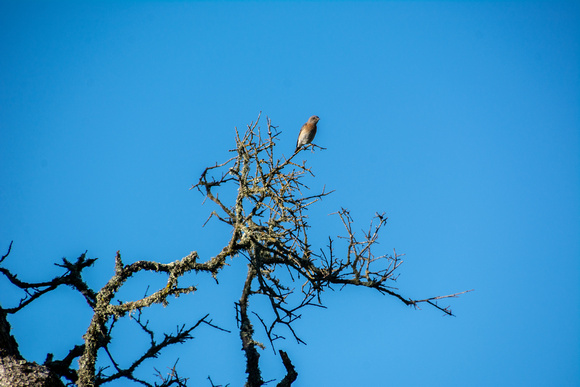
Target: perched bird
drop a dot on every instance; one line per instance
(307, 132)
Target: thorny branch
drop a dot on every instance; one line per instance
(181, 335)
(269, 221)
(33, 290)
(172, 378)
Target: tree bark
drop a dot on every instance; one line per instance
(14, 370)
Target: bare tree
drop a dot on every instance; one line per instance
(269, 230)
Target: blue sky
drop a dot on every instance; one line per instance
(460, 120)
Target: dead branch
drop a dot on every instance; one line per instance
(269, 222)
(270, 229)
(72, 277)
(97, 335)
(181, 335)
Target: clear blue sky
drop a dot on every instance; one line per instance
(460, 120)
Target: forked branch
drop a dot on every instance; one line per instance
(270, 229)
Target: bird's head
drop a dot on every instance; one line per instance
(313, 120)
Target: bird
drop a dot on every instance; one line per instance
(307, 132)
